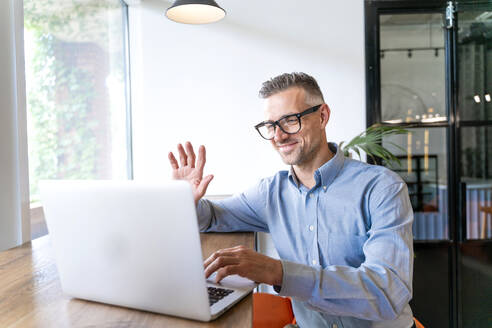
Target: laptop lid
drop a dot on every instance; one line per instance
(128, 243)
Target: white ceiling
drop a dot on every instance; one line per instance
(314, 22)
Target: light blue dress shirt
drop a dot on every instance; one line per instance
(346, 244)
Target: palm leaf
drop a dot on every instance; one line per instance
(370, 142)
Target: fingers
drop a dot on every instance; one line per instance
(190, 153)
(227, 271)
(244, 262)
(214, 256)
(220, 262)
(187, 155)
(173, 161)
(200, 163)
(182, 155)
(203, 185)
(222, 252)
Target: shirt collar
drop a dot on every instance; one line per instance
(327, 172)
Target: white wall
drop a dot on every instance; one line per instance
(200, 83)
(14, 186)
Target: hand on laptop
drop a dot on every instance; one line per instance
(188, 171)
(245, 262)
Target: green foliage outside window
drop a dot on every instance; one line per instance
(62, 131)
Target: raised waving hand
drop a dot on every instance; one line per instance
(190, 171)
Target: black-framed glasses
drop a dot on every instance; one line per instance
(290, 124)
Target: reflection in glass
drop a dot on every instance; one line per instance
(423, 166)
(475, 65)
(476, 173)
(412, 68)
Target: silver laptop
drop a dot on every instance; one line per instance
(134, 244)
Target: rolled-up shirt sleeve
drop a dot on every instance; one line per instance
(241, 212)
(382, 285)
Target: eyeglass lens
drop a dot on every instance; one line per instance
(288, 125)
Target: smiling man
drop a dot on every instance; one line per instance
(342, 228)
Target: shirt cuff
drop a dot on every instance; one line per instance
(204, 214)
(298, 280)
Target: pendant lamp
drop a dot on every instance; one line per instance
(195, 12)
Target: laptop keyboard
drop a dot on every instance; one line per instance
(216, 294)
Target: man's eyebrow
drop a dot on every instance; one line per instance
(281, 117)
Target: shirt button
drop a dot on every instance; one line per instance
(334, 325)
(311, 195)
(311, 227)
(324, 187)
(314, 262)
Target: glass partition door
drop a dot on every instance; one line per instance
(412, 90)
(413, 93)
(473, 37)
(429, 70)
(474, 64)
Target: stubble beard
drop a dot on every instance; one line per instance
(300, 155)
(293, 158)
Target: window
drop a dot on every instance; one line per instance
(76, 80)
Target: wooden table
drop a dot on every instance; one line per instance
(31, 296)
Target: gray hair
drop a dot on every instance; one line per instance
(313, 94)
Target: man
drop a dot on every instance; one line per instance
(342, 228)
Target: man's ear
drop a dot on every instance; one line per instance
(325, 115)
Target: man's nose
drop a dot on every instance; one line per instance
(279, 134)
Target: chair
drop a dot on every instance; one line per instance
(271, 311)
(417, 323)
